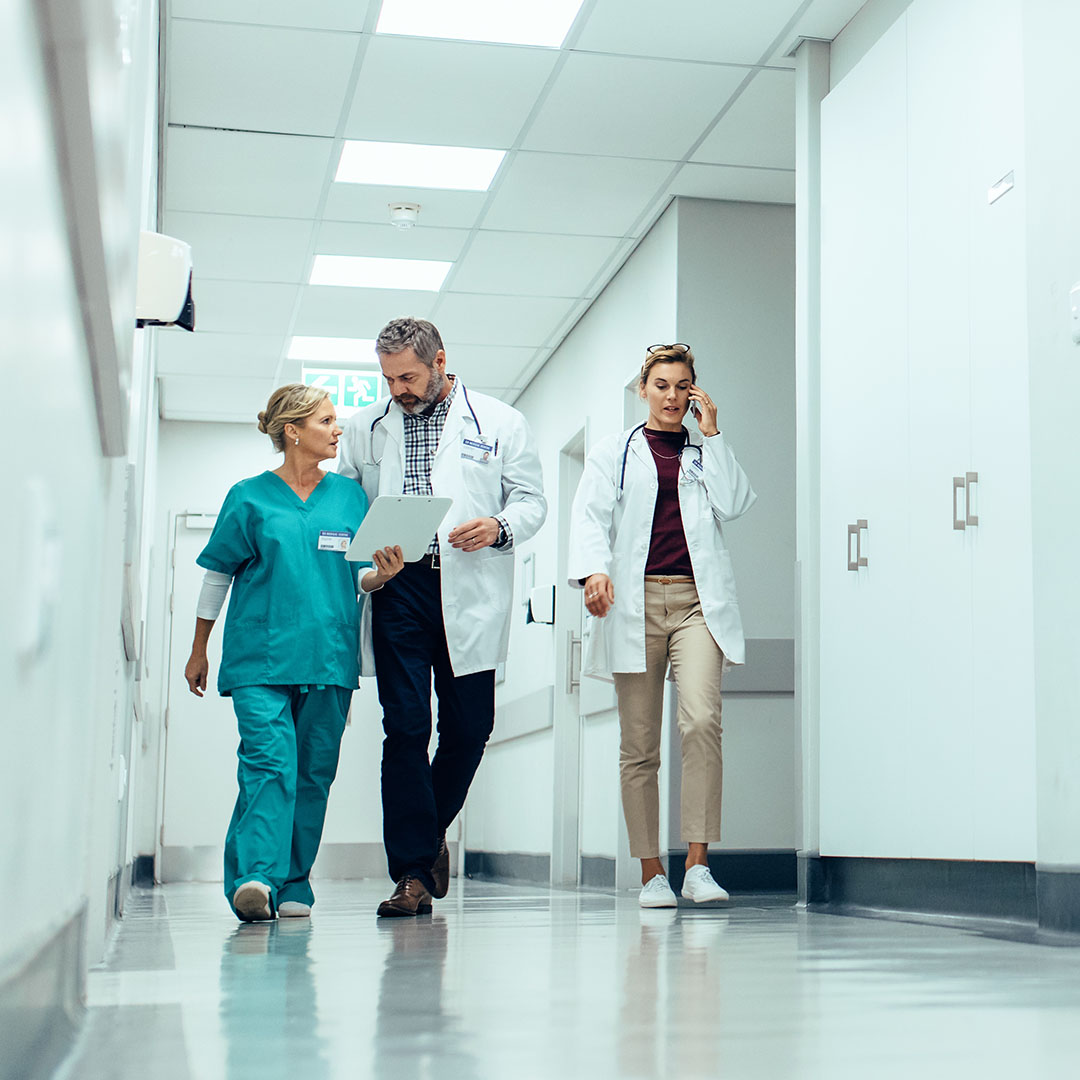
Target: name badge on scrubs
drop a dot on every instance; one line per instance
(333, 541)
(477, 449)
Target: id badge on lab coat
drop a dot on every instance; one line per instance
(695, 471)
(333, 541)
(477, 448)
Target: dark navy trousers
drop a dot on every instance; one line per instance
(420, 797)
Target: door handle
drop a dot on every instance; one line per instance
(969, 479)
(958, 484)
(859, 559)
(573, 672)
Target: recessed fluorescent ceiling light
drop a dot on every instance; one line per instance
(509, 22)
(411, 165)
(333, 350)
(363, 272)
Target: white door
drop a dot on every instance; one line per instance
(569, 617)
(939, 652)
(864, 416)
(1002, 686)
(200, 734)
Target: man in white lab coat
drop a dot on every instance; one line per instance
(448, 615)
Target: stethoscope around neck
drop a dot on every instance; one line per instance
(626, 454)
(382, 416)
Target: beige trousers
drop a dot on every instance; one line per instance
(675, 631)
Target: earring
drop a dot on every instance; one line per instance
(297, 440)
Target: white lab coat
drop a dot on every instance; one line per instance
(477, 586)
(611, 535)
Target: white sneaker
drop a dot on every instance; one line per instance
(293, 909)
(656, 892)
(251, 901)
(700, 886)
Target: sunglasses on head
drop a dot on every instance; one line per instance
(678, 347)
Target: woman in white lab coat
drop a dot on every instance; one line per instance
(647, 545)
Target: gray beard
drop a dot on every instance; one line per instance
(429, 396)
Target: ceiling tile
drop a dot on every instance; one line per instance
(240, 172)
(315, 14)
(687, 29)
(238, 248)
(225, 399)
(258, 78)
(488, 365)
(759, 129)
(446, 92)
(565, 193)
(637, 108)
(499, 320)
(242, 307)
(735, 183)
(503, 393)
(438, 208)
(329, 311)
(531, 264)
(384, 241)
(210, 354)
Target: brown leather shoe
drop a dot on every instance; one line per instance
(409, 897)
(440, 870)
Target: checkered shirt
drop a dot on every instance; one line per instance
(422, 434)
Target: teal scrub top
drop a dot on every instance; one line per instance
(293, 617)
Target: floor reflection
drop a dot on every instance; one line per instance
(268, 1010)
(415, 1034)
(506, 983)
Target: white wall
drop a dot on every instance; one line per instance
(736, 302)
(66, 768)
(720, 276)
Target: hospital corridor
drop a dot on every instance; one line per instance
(541, 540)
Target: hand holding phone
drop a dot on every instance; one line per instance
(704, 411)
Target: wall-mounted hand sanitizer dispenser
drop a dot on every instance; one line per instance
(1074, 308)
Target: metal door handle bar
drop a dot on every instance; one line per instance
(573, 641)
(958, 484)
(969, 479)
(859, 559)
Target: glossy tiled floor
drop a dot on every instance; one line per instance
(517, 983)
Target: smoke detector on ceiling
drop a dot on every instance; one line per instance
(403, 215)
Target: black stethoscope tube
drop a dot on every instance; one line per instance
(626, 452)
(468, 404)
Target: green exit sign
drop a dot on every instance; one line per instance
(348, 390)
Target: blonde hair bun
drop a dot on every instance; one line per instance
(292, 403)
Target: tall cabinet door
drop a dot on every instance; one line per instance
(943, 785)
(1002, 689)
(864, 612)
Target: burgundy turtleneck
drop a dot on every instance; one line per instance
(668, 554)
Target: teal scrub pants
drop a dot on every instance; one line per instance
(290, 737)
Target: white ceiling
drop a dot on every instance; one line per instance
(644, 102)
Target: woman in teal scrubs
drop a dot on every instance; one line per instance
(289, 655)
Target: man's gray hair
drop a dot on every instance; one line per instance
(416, 334)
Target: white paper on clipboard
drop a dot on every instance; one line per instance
(408, 521)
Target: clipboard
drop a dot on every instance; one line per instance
(406, 521)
